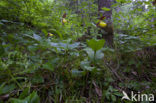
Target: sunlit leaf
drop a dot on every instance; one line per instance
(106, 9)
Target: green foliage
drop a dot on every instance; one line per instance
(106, 9)
(111, 94)
(32, 98)
(98, 55)
(36, 67)
(94, 53)
(6, 88)
(135, 19)
(95, 44)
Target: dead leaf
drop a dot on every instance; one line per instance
(97, 89)
(6, 96)
(134, 73)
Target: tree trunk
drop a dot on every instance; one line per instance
(108, 36)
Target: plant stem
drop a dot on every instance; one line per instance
(94, 56)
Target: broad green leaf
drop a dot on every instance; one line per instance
(85, 65)
(96, 44)
(7, 88)
(99, 55)
(5, 21)
(90, 53)
(65, 45)
(89, 68)
(76, 73)
(37, 37)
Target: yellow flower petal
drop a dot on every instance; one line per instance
(50, 34)
(102, 24)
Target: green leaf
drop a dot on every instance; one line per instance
(76, 73)
(118, 0)
(88, 68)
(113, 98)
(99, 55)
(118, 94)
(90, 53)
(55, 32)
(7, 88)
(37, 37)
(106, 9)
(48, 66)
(32, 98)
(37, 79)
(14, 100)
(29, 37)
(24, 93)
(96, 44)
(45, 32)
(85, 65)
(153, 40)
(107, 94)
